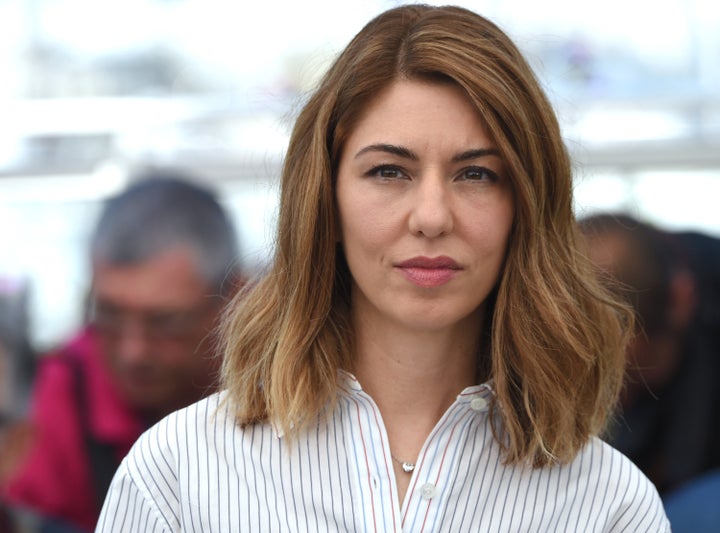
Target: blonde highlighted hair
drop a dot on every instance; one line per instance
(557, 339)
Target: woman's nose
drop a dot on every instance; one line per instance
(431, 214)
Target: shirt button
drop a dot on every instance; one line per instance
(427, 491)
(478, 403)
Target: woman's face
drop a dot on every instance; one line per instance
(425, 208)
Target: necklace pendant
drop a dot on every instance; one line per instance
(408, 467)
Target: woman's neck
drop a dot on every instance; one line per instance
(414, 377)
(413, 374)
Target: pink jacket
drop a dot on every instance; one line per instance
(55, 480)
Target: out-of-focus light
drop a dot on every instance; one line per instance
(106, 180)
(602, 192)
(680, 199)
(606, 126)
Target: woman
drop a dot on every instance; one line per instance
(429, 350)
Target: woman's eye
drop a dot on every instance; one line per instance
(478, 174)
(386, 172)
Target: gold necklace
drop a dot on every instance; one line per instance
(405, 465)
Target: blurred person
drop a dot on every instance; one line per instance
(15, 431)
(702, 254)
(7, 449)
(163, 257)
(693, 507)
(429, 350)
(19, 355)
(17, 365)
(669, 422)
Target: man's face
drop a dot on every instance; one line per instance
(653, 355)
(154, 319)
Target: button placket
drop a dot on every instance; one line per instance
(428, 491)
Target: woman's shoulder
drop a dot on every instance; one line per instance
(184, 430)
(601, 458)
(202, 414)
(599, 462)
(165, 462)
(630, 498)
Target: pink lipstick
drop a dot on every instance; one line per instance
(429, 271)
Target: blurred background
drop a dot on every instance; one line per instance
(91, 91)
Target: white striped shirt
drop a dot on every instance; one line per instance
(198, 471)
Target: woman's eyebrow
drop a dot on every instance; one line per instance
(399, 151)
(406, 153)
(475, 154)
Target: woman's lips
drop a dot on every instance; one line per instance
(429, 271)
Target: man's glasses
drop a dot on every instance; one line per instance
(161, 325)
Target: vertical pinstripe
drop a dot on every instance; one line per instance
(197, 471)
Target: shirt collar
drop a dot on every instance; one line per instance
(484, 391)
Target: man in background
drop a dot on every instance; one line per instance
(669, 419)
(164, 260)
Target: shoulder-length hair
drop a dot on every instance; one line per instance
(557, 340)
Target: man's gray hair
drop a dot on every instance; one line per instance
(161, 210)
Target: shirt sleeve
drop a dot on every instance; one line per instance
(647, 515)
(127, 508)
(641, 508)
(143, 495)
